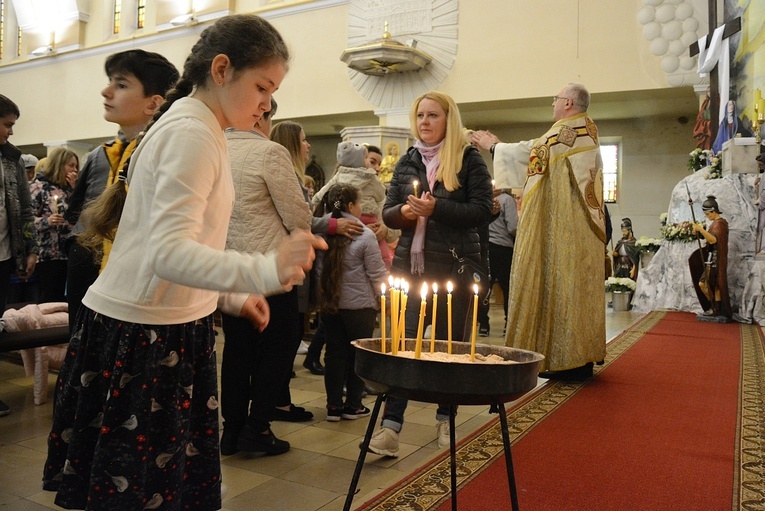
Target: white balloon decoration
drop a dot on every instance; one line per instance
(665, 12)
(651, 31)
(670, 63)
(671, 28)
(646, 14)
(683, 11)
(659, 46)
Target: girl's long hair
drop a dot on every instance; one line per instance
(287, 133)
(455, 143)
(54, 168)
(248, 41)
(339, 196)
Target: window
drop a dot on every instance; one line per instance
(117, 16)
(609, 152)
(141, 13)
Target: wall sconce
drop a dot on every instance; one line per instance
(183, 19)
(43, 51)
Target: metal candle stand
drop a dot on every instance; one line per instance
(431, 382)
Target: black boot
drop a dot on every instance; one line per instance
(313, 365)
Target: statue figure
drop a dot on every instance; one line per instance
(709, 264)
(730, 127)
(626, 255)
(388, 165)
(702, 130)
(760, 203)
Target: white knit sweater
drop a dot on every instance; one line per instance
(168, 260)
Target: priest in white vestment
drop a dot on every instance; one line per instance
(557, 297)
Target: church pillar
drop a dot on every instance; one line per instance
(392, 136)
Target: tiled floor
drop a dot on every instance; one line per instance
(314, 475)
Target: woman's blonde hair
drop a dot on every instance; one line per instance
(454, 140)
(55, 169)
(287, 133)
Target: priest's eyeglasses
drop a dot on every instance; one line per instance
(556, 98)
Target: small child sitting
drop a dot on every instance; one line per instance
(351, 158)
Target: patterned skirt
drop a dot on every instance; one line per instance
(135, 418)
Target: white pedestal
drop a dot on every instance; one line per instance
(738, 156)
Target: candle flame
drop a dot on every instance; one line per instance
(397, 283)
(382, 288)
(405, 287)
(475, 288)
(390, 280)
(424, 291)
(435, 288)
(449, 287)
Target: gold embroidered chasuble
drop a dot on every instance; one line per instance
(557, 300)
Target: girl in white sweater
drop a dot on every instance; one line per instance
(135, 422)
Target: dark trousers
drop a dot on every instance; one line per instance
(317, 343)
(81, 272)
(52, 280)
(256, 364)
(6, 268)
(339, 360)
(501, 262)
(462, 313)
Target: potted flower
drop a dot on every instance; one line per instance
(647, 248)
(715, 168)
(698, 159)
(621, 290)
(682, 231)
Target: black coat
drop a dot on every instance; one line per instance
(455, 220)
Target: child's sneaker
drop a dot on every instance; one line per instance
(334, 413)
(351, 414)
(384, 442)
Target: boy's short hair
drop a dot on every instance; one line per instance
(155, 72)
(373, 149)
(8, 107)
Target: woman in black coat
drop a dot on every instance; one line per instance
(453, 199)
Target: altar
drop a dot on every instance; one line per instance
(665, 283)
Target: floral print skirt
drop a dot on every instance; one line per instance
(135, 418)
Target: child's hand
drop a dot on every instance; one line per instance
(256, 310)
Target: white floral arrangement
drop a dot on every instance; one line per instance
(698, 159)
(682, 231)
(621, 284)
(646, 244)
(715, 168)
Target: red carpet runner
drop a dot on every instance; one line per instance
(674, 420)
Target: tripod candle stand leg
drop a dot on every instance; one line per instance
(363, 454)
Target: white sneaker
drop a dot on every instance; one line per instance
(442, 430)
(384, 442)
(303, 348)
